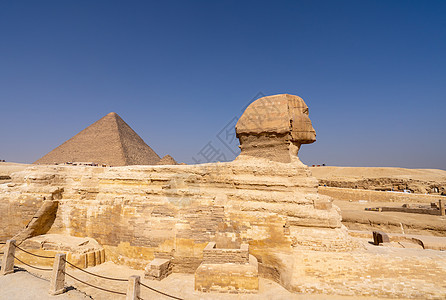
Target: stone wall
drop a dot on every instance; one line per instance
(213, 255)
(19, 203)
(16, 214)
(227, 278)
(227, 270)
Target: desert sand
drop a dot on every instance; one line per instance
(354, 215)
(347, 173)
(421, 181)
(7, 168)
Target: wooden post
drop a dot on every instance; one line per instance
(441, 206)
(8, 258)
(133, 288)
(57, 283)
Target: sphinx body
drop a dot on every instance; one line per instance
(266, 198)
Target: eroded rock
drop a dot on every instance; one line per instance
(275, 127)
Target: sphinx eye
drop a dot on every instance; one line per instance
(305, 111)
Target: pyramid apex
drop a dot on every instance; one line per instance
(112, 114)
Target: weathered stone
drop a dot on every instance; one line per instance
(213, 255)
(380, 237)
(82, 252)
(7, 266)
(275, 127)
(441, 207)
(57, 283)
(227, 270)
(158, 269)
(133, 288)
(41, 221)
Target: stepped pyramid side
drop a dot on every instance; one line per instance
(108, 141)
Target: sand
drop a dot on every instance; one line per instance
(7, 168)
(12, 286)
(349, 173)
(27, 286)
(355, 217)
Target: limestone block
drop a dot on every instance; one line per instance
(158, 269)
(213, 255)
(82, 252)
(7, 264)
(322, 203)
(57, 283)
(227, 270)
(380, 237)
(133, 288)
(228, 277)
(91, 259)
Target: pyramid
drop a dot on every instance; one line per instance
(167, 160)
(108, 141)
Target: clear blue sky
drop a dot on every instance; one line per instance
(372, 72)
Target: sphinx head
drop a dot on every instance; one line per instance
(275, 127)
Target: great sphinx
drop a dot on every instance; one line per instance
(266, 198)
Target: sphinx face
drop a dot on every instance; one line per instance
(302, 131)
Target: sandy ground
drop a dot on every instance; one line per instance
(27, 286)
(34, 285)
(355, 217)
(7, 168)
(348, 173)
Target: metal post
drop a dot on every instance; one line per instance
(57, 283)
(133, 288)
(8, 258)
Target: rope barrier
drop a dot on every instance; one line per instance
(110, 278)
(162, 293)
(42, 256)
(100, 276)
(37, 268)
(97, 287)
